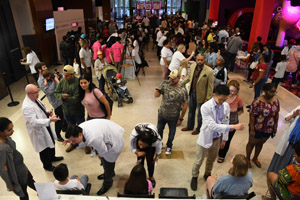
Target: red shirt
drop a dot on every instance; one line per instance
(257, 69)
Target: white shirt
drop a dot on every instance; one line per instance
(86, 54)
(105, 136)
(146, 21)
(176, 60)
(136, 45)
(161, 41)
(32, 59)
(286, 50)
(180, 30)
(209, 124)
(136, 55)
(158, 36)
(165, 53)
(157, 144)
(222, 34)
(73, 184)
(280, 70)
(99, 65)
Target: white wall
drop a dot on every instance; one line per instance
(63, 23)
(22, 18)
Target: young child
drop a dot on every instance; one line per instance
(122, 89)
(62, 182)
(280, 70)
(137, 183)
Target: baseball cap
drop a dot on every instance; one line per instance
(174, 74)
(82, 36)
(72, 36)
(69, 69)
(119, 75)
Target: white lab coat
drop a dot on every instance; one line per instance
(36, 124)
(209, 125)
(105, 136)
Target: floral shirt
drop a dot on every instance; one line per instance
(265, 115)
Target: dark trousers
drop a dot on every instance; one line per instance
(68, 61)
(294, 74)
(161, 123)
(258, 87)
(276, 81)
(250, 71)
(60, 124)
(30, 183)
(223, 152)
(193, 106)
(47, 156)
(109, 171)
(158, 51)
(101, 83)
(74, 119)
(149, 157)
(230, 61)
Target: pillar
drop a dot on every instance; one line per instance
(214, 9)
(261, 21)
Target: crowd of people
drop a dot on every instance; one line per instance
(195, 62)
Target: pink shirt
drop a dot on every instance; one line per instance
(107, 52)
(92, 105)
(117, 49)
(96, 47)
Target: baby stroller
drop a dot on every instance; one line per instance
(110, 72)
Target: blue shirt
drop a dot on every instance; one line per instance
(219, 117)
(211, 58)
(231, 185)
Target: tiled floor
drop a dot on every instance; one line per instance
(168, 172)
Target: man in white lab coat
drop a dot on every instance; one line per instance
(38, 123)
(106, 137)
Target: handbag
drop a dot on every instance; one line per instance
(76, 68)
(102, 106)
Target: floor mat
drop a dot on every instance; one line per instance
(174, 155)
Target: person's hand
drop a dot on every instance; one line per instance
(11, 189)
(45, 82)
(87, 70)
(240, 126)
(252, 133)
(222, 145)
(140, 153)
(167, 66)
(54, 118)
(179, 122)
(108, 117)
(193, 53)
(252, 85)
(5, 168)
(65, 142)
(296, 113)
(65, 96)
(50, 113)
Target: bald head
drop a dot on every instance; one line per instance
(32, 91)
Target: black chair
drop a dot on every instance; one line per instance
(76, 192)
(149, 196)
(246, 196)
(175, 193)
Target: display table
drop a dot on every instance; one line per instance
(240, 59)
(128, 69)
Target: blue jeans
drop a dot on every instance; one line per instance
(193, 105)
(161, 122)
(258, 87)
(101, 82)
(83, 179)
(74, 119)
(121, 92)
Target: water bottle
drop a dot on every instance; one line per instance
(246, 53)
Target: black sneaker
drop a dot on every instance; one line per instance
(206, 176)
(194, 183)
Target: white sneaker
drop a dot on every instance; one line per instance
(168, 151)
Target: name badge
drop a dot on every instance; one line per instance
(225, 120)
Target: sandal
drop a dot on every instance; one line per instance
(257, 163)
(220, 160)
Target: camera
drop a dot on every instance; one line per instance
(52, 76)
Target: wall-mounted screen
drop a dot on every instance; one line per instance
(49, 24)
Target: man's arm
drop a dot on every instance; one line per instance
(183, 111)
(210, 85)
(58, 91)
